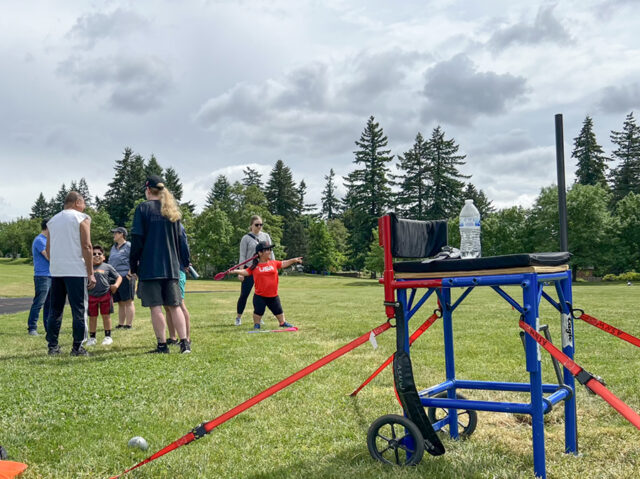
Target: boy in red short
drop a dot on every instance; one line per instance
(265, 276)
(107, 282)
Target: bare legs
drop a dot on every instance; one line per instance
(126, 312)
(159, 323)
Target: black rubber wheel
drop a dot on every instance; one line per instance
(386, 441)
(467, 418)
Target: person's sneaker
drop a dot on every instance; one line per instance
(120, 326)
(172, 342)
(238, 321)
(286, 325)
(159, 350)
(54, 350)
(91, 342)
(185, 346)
(256, 326)
(107, 341)
(127, 326)
(79, 352)
(33, 332)
(261, 321)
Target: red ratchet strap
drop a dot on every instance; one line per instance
(584, 377)
(207, 427)
(416, 334)
(607, 327)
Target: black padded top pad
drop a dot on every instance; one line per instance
(489, 262)
(417, 239)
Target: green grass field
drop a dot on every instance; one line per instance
(72, 417)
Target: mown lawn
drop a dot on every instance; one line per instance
(72, 417)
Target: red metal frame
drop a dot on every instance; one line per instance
(388, 276)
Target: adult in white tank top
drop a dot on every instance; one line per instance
(69, 250)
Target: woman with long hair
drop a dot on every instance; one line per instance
(155, 259)
(247, 250)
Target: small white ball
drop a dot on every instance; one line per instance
(139, 442)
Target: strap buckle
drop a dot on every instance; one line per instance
(199, 431)
(584, 376)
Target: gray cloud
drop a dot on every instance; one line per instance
(317, 107)
(545, 28)
(512, 141)
(93, 27)
(457, 93)
(619, 99)
(132, 84)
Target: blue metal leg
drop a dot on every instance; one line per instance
(530, 300)
(568, 348)
(445, 299)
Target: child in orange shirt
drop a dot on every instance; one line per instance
(265, 275)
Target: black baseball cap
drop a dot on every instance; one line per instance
(263, 245)
(120, 229)
(154, 181)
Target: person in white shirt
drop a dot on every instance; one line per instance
(70, 254)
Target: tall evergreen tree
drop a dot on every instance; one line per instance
(83, 189)
(40, 208)
(58, 201)
(480, 200)
(153, 167)
(445, 197)
(281, 191)
(251, 177)
(368, 191)
(592, 162)
(330, 202)
(172, 181)
(126, 187)
(414, 181)
(220, 194)
(303, 208)
(625, 177)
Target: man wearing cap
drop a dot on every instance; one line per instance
(155, 259)
(119, 259)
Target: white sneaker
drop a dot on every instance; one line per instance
(107, 341)
(261, 321)
(91, 342)
(238, 321)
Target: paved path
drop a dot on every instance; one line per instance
(15, 305)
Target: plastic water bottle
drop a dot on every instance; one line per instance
(469, 231)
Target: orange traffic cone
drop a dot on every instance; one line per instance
(10, 469)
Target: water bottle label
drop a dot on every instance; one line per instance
(469, 222)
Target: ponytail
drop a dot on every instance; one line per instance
(168, 205)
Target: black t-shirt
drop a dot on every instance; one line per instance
(154, 243)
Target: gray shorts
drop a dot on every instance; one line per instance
(159, 292)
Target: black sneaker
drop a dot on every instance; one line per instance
(185, 346)
(80, 351)
(160, 350)
(127, 326)
(172, 342)
(120, 326)
(54, 350)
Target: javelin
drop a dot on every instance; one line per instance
(219, 276)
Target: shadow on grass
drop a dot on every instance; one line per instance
(355, 462)
(363, 283)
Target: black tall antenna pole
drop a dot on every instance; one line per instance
(562, 190)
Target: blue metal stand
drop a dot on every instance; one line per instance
(532, 285)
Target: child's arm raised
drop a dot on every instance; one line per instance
(288, 262)
(240, 271)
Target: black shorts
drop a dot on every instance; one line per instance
(159, 292)
(260, 303)
(126, 291)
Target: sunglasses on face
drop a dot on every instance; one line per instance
(258, 224)
(97, 254)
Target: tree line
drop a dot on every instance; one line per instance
(340, 233)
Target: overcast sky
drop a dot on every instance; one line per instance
(209, 87)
